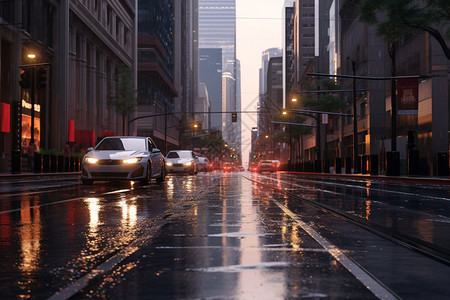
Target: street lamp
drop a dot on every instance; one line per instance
(32, 56)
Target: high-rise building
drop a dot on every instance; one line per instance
(288, 54)
(265, 101)
(186, 60)
(217, 29)
(210, 73)
(156, 89)
(81, 45)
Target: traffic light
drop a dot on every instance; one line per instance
(26, 77)
(41, 78)
(234, 117)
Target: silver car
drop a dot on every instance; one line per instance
(181, 161)
(127, 158)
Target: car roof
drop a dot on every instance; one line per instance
(180, 151)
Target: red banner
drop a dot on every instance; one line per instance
(5, 114)
(408, 96)
(71, 131)
(85, 137)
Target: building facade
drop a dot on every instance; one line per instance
(79, 45)
(217, 29)
(210, 73)
(420, 135)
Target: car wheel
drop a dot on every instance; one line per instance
(163, 175)
(147, 178)
(87, 181)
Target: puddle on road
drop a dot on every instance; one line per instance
(240, 268)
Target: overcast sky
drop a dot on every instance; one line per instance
(258, 27)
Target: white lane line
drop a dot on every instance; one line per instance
(105, 267)
(62, 201)
(362, 275)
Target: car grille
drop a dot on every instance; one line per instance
(110, 174)
(178, 165)
(109, 162)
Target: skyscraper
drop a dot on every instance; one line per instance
(210, 73)
(217, 29)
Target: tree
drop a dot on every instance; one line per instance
(124, 99)
(325, 101)
(398, 18)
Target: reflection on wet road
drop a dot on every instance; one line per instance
(219, 236)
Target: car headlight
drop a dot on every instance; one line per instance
(188, 164)
(169, 164)
(131, 160)
(91, 160)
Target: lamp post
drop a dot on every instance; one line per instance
(32, 56)
(355, 121)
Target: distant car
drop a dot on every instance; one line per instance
(132, 158)
(241, 169)
(227, 167)
(253, 167)
(204, 165)
(181, 161)
(268, 166)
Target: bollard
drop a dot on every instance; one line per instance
(442, 164)
(393, 163)
(374, 164)
(338, 165)
(16, 161)
(413, 162)
(348, 165)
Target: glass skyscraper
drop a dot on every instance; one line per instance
(217, 29)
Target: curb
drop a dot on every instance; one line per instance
(29, 175)
(424, 180)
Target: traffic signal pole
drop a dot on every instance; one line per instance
(32, 98)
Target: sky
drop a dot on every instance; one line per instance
(258, 27)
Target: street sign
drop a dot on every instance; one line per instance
(324, 119)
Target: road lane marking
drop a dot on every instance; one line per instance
(105, 267)
(373, 285)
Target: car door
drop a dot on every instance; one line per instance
(155, 157)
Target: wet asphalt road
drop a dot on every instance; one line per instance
(221, 236)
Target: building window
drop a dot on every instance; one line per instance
(109, 19)
(362, 109)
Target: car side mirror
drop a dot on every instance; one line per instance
(90, 149)
(154, 150)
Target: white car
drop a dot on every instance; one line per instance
(203, 164)
(181, 161)
(127, 158)
(268, 166)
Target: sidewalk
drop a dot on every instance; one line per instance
(409, 179)
(30, 174)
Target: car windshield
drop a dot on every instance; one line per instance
(121, 144)
(180, 154)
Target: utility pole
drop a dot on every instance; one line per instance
(355, 121)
